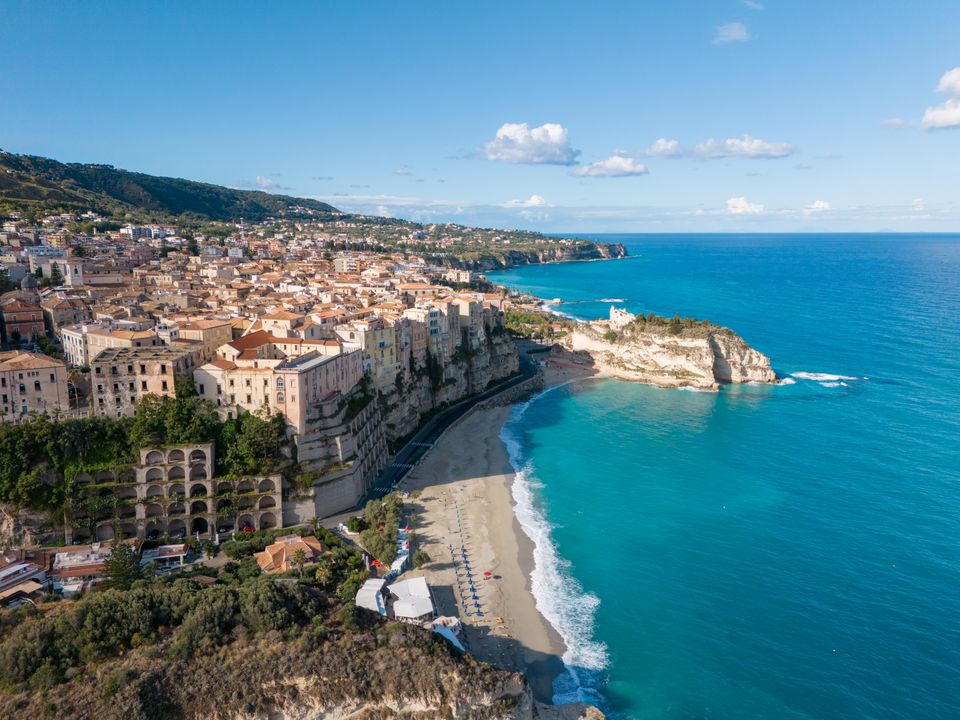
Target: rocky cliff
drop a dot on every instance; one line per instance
(466, 374)
(670, 353)
(501, 259)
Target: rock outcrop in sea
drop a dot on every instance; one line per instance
(669, 352)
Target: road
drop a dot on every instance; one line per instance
(420, 444)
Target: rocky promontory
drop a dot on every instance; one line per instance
(669, 352)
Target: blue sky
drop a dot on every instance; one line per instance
(770, 115)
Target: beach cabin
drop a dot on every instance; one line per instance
(411, 601)
(372, 596)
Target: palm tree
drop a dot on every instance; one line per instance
(299, 559)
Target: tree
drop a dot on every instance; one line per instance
(122, 565)
(56, 277)
(193, 247)
(15, 337)
(299, 559)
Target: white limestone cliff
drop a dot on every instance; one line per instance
(668, 353)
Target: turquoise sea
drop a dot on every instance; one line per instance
(762, 552)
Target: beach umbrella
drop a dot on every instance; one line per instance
(476, 597)
(487, 574)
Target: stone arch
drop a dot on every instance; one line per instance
(153, 527)
(247, 503)
(199, 525)
(268, 520)
(267, 486)
(198, 490)
(198, 506)
(154, 510)
(246, 521)
(245, 486)
(105, 532)
(154, 457)
(176, 508)
(126, 512)
(175, 473)
(127, 493)
(224, 486)
(175, 527)
(106, 476)
(267, 502)
(82, 477)
(128, 530)
(176, 489)
(175, 456)
(198, 472)
(154, 491)
(198, 456)
(154, 474)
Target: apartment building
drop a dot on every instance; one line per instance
(120, 377)
(83, 343)
(22, 320)
(32, 383)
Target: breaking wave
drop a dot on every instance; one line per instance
(559, 596)
(827, 380)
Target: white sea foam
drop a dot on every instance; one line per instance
(559, 596)
(834, 384)
(611, 300)
(786, 381)
(823, 377)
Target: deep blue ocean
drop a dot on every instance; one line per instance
(761, 552)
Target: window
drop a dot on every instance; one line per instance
(52, 379)
(249, 400)
(231, 382)
(143, 385)
(164, 385)
(200, 388)
(36, 385)
(279, 397)
(23, 389)
(132, 387)
(248, 382)
(113, 369)
(116, 387)
(143, 369)
(163, 369)
(97, 370)
(129, 368)
(3, 382)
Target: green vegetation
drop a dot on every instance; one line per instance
(39, 186)
(530, 323)
(39, 457)
(675, 325)
(122, 566)
(383, 524)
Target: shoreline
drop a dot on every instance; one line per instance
(462, 493)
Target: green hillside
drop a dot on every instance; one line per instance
(36, 185)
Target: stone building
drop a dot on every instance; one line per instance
(120, 378)
(171, 492)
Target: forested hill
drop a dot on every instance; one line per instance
(32, 185)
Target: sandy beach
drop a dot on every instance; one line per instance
(462, 497)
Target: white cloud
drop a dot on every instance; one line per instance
(950, 82)
(731, 33)
(265, 183)
(746, 146)
(740, 206)
(893, 122)
(817, 206)
(662, 148)
(545, 145)
(942, 116)
(948, 114)
(617, 165)
(532, 201)
(753, 4)
(402, 171)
